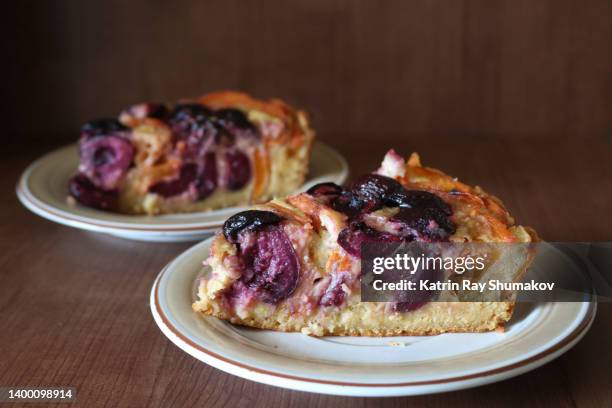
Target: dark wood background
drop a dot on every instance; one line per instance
(513, 95)
(363, 69)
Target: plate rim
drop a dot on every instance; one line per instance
(50, 212)
(360, 388)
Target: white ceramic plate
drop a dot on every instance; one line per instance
(355, 366)
(43, 189)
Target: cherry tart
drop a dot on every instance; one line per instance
(220, 150)
(294, 264)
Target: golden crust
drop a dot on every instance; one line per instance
(493, 317)
(479, 217)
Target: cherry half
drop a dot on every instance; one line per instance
(87, 193)
(248, 220)
(270, 264)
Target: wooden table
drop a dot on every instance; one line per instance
(74, 305)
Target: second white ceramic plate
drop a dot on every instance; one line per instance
(43, 189)
(363, 366)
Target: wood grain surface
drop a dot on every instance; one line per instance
(74, 305)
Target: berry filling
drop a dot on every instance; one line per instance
(238, 168)
(106, 155)
(422, 224)
(103, 156)
(268, 262)
(234, 118)
(270, 265)
(85, 192)
(235, 123)
(204, 131)
(169, 188)
(206, 183)
(201, 139)
(358, 233)
(192, 124)
(334, 295)
(192, 177)
(105, 159)
(422, 216)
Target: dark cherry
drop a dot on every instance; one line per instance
(423, 224)
(270, 264)
(234, 117)
(367, 194)
(206, 182)
(422, 216)
(189, 112)
(103, 156)
(86, 192)
(238, 167)
(249, 220)
(417, 198)
(101, 127)
(178, 185)
(201, 128)
(325, 190)
(105, 159)
(352, 204)
(334, 295)
(193, 124)
(358, 233)
(233, 123)
(376, 186)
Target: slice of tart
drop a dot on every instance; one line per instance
(294, 264)
(223, 149)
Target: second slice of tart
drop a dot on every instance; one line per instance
(220, 150)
